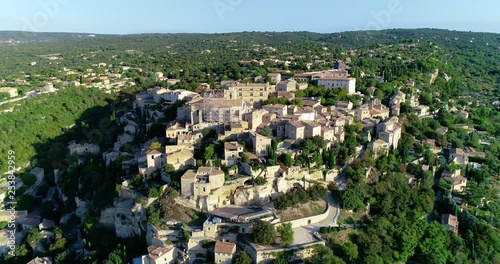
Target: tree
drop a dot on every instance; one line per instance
(206, 132)
(271, 156)
(169, 168)
(405, 145)
(245, 158)
(286, 159)
(185, 235)
(34, 237)
(209, 152)
(57, 152)
(433, 247)
(350, 251)
(28, 179)
(21, 255)
(241, 258)
(352, 200)
(155, 145)
(153, 216)
(263, 233)
(323, 254)
(154, 192)
(65, 257)
(286, 234)
(331, 159)
(260, 181)
(266, 131)
(25, 202)
(117, 256)
(59, 243)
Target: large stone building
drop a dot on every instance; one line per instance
(213, 110)
(255, 118)
(312, 76)
(390, 131)
(312, 129)
(173, 95)
(362, 112)
(251, 92)
(274, 77)
(260, 144)
(450, 222)
(180, 158)
(378, 148)
(202, 182)
(295, 130)
(232, 152)
(278, 109)
(163, 255)
(287, 86)
(224, 252)
(155, 160)
(348, 84)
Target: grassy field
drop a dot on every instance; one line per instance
(347, 217)
(339, 237)
(303, 210)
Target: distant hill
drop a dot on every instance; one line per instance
(11, 37)
(352, 39)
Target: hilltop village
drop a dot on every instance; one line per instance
(273, 167)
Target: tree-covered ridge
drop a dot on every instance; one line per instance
(34, 122)
(471, 58)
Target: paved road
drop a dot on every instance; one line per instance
(13, 100)
(304, 234)
(28, 95)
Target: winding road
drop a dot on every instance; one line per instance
(304, 234)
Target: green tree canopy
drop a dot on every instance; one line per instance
(263, 233)
(286, 233)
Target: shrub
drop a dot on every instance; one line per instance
(260, 181)
(263, 233)
(154, 192)
(28, 179)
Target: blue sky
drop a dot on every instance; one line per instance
(208, 16)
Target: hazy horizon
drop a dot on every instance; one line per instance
(235, 32)
(229, 16)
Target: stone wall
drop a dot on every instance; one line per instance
(310, 220)
(6, 215)
(126, 218)
(235, 192)
(331, 175)
(266, 254)
(160, 237)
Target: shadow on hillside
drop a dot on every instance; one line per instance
(87, 178)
